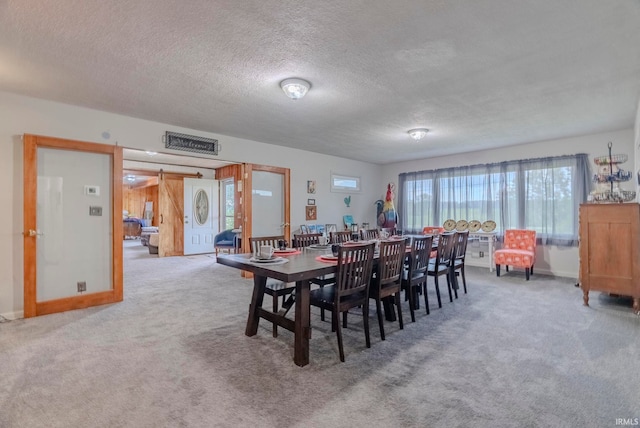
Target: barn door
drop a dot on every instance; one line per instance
(171, 210)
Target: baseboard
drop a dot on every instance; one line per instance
(13, 315)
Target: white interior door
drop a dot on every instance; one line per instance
(201, 215)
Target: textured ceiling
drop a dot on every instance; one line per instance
(479, 74)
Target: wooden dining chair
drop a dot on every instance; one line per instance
(274, 288)
(415, 276)
(387, 278)
(368, 234)
(441, 264)
(353, 276)
(304, 240)
(340, 237)
(457, 261)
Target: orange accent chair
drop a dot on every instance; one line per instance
(433, 230)
(519, 250)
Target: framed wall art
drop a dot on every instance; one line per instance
(311, 186)
(311, 213)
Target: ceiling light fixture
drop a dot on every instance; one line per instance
(130, 178)
(418, 133)
(295, 88)
(150, 153)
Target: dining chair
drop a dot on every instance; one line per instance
(353, 276)
(274, 288)
(518, 250)
(457, 260)
(415, 276)
(304, 240)
(441, 264)
(340, 237)
(387, 278)
(368, 234)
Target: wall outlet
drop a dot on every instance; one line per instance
(82, 286)
(481, 253)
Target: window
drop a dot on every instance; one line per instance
(228, 204)
(539, 194)
(344, 183)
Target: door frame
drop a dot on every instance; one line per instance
(247, 206)
(32, 307)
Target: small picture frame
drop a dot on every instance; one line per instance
(311, 213)
(311, 186)
(311, 201)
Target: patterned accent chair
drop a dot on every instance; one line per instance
(433, 230)
(519, 250)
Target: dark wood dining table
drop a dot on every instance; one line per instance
(299, 269)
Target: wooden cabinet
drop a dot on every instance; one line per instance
(610, 250)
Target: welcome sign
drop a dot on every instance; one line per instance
(191, 143)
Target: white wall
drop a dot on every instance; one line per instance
(20, 115)
(561, 261)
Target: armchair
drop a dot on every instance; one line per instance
(225, 240)
(519, 250)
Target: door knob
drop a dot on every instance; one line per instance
(36, 232)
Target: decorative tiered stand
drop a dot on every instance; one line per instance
(608, 179)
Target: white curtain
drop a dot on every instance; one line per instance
(540, 194)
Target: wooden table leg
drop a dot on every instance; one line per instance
(302, 324)
(259, 283)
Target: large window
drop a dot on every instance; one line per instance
(539, 194)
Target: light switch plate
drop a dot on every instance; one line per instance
(97, 211)
(92, 190)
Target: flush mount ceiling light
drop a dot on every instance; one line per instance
(418, 133)
(295, 88)
(130, 178)
(151, 153)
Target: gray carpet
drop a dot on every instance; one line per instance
(511, 353)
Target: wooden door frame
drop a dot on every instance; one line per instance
(32, 307)
(247, 206)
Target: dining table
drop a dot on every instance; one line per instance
(298, 268)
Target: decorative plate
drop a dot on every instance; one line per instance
(488, 226)
(474, 226)
(462, 225)
(449, 225)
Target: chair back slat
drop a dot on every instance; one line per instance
(355, 265)
(302, 241)
(460, 245)
(257, 242)
(445, 249)
(340, 237)
(420, 252)
(391, 261)
(368, 234)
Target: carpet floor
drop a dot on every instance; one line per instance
(510, 353)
